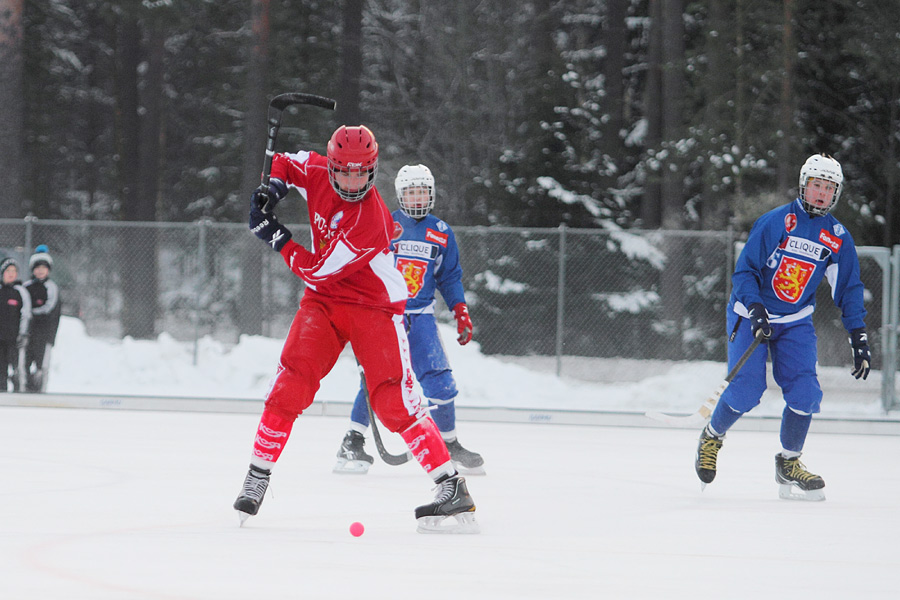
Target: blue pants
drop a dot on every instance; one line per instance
(793, 350)
(432, 369)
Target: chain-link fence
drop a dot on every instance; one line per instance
(554, 292)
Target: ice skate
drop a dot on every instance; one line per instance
(795, 482)
(352, 458)
(255, 486)
(707, 451)
(451, 499)
(465, 461)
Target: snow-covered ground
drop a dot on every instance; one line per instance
(165, 367)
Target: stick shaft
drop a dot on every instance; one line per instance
(706, 409)
(391, 459)
(276, 110)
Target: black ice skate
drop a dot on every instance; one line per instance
(255, 486)
(795, 482)
(465, 461)
(352, 458)
(707, 451)
(451, 499)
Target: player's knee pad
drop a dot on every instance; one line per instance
(441, 401)
(290, 392)
(805, 404)
(802, 392)
(745, 397)
(439, 386)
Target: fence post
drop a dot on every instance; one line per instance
(29, 237)
(560, 298)
(201, 283)
(889, 362)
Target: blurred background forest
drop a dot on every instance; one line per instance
(594, 113)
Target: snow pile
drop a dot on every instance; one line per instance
(165, 367)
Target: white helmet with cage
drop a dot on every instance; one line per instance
(416, 205)
(821, 166)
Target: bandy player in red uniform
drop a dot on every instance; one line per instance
(354, 294)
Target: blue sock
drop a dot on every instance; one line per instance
(360, 412)
(794, 428)
(444, 415)
(723, 418)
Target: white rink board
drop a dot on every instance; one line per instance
(131, 504)
(846, 423)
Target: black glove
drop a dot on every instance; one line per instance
(862, 357)
(266, 226)
(269, 198)
(21, 341)
(759, 321)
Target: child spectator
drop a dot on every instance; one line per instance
(45, 309)
(15, 314)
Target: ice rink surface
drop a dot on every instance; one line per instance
(120, 505)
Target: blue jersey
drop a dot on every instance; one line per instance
(787, 255)
(428, 257)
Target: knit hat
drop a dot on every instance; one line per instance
(41, 256)
(7, 263)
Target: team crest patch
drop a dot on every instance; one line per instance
(442, 226)
(398, 231)
(838, 229)
(791, 278)
(413, 272)
(433, 236)
(831, 241)
(790, 222)
(336, 219)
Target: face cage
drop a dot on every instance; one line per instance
(344, 194)
(815, 210)
(417, 212)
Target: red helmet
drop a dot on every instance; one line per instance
(352, 152)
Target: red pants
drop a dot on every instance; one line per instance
(319, 332)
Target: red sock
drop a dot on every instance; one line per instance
(425, 442)
(271, 436)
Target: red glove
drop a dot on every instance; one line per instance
(463, 323)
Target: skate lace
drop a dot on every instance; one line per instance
(353, 443)
(444, 491)
(709, 450)
(254, 486)
(797, 470)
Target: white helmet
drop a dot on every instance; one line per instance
(824, 167)
(415, 176)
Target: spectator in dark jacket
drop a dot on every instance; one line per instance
(15, 315)
(46, 309)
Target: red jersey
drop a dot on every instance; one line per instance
(351, 260)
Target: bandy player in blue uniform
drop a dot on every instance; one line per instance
(428, 257)
(788, 253)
